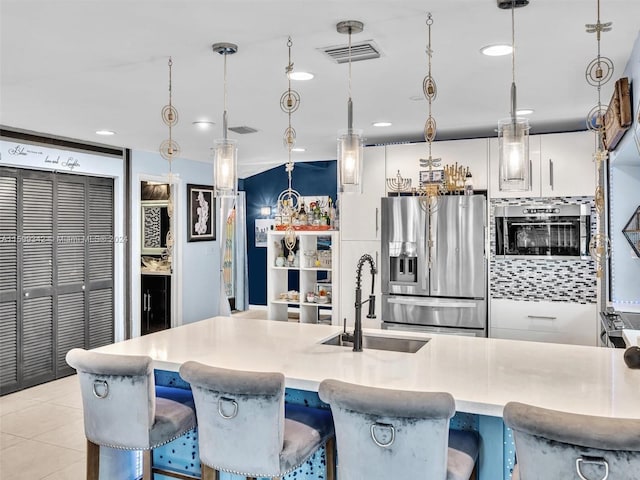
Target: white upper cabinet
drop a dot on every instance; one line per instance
(567, 168)
(561, 166)
(469, 153)
(360, 212)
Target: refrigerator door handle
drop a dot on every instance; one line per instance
(431, 303)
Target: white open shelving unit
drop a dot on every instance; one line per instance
(310, 278)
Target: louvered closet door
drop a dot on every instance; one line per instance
(71, 256)
(56, 275)
(101, 247)
(8, 279)
(38, 263)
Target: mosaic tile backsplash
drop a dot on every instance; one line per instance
(571, 280)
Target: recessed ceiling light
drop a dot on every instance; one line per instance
(381, 124)
(524, 111)
(496, 50)
(300, 76)
(203, 124)
(416, 98)
(105, 132)
(298, 149)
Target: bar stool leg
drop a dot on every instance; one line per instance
(146, 465)
(209, 473)
(93, 461)
(330, 458)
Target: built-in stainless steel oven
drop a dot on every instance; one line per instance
(543, 231)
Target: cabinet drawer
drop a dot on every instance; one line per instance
(557, 322)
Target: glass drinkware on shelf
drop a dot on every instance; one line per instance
(310, 258)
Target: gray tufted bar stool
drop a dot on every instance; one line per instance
(553, 445)
(121, 409)
(245, 429)
(383, 434)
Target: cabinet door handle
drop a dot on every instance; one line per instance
(376, 221)
(144, 302)
(551, 173)
(542, 317)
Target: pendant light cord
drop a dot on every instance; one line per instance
(349, 63)
(513, 63)
(171, 119)
(350, 102)
(224, 114)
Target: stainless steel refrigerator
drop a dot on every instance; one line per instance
(435, 281)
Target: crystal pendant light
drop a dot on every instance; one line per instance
(226, 151)
(350, 151)
(513, 132)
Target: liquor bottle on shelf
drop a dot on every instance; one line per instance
(302, 215)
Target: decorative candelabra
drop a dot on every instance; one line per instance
(598, 72)
(398, 184)
(454, 177)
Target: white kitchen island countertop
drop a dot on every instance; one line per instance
(631, 337)
(482, 374)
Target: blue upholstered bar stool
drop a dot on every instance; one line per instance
(121, 409)
(384, 434)
(553, 445)
(243, 427)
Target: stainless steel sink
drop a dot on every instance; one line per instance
(393, 344)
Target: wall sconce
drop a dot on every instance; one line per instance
(265, 211)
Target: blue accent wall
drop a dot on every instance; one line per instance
(308, 178)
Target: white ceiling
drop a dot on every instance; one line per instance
(71, 67)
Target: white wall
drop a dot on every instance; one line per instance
(197, 263)
(624, 185)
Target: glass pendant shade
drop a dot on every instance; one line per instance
(513, 148)
(225, 164)
(350, 153)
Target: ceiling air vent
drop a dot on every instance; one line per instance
(359, 51)
(243, 129)
(507, 4)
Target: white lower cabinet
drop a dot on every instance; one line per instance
(350, 253)
(314, 271)
(553, 322)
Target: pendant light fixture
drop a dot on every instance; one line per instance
(599, 72)
(169, 149)
(289, 199)
(226, 151)
(432, 186)
(350, 149)
(513, 132)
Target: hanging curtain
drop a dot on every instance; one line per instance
(241, 272)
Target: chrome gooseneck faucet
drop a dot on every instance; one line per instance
(357, 333)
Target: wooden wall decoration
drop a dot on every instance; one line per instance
(619, 115)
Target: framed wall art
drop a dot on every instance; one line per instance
(201, 213)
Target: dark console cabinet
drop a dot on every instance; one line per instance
(156, 303)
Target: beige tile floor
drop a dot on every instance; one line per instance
(42, 433)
